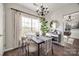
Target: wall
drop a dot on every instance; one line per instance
(61, 10)
(2, 31)
(59, 13)
(9, 41)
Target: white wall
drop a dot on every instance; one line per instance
(62, 9)
(2, 31)
(10, 25)
(59, 13)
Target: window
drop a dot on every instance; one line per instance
(35, 25)
(30, 25)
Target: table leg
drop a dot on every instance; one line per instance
(52, 49)
(38, 49)
(46, 49)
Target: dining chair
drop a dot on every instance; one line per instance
(72, 49)
(23, 47)
(46, 48)
(32, 48)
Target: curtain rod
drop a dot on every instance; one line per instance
(71, 13)
(24, 12)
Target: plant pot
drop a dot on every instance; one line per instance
(43, 34)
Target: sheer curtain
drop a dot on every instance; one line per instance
(16, 16)
(30, 25)
(21, 29)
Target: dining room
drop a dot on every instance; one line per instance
(41, 29)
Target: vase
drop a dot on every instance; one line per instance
(43, 34)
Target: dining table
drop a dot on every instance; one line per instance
(39, 40)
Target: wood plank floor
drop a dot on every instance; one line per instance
(58, 51)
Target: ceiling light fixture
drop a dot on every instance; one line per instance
(42, 11)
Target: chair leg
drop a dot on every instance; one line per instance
(77, 52)
(25, 52)
(19, 51)
(28, 51)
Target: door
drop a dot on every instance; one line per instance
(1, 29)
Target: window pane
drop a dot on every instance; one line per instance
(35, 25)
(30, 25)
(26, 25)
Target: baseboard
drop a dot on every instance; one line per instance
(1, 53)
(10, 49)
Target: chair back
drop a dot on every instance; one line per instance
(76, 43)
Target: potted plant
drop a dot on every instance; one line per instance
(44, 27)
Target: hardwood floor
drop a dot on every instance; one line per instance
(58, 51)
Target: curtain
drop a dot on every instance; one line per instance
(17, 26)
(16, 16)
(31, 24)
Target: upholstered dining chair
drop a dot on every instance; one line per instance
(27, 47)
(23, 46)
(72, 49)
(32, 48)
(46, 48)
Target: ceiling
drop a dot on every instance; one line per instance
(53, 7)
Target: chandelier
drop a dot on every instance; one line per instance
(69, 19)
(42, 11)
